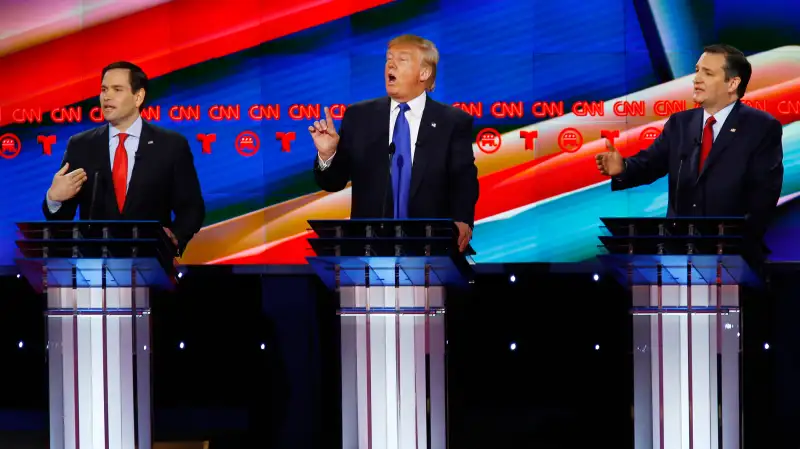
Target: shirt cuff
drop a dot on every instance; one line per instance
(323, 164)
(53, 206)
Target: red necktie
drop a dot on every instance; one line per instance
(708, 140)
(120, 171)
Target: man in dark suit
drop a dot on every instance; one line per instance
(723, 159)
(433, 172)
(143, 172)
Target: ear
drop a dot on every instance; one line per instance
(424, 73)
(139, 97)
(733, 84)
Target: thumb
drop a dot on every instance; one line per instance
(63, 170)
(610, 147)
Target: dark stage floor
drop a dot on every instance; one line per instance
(567, 383)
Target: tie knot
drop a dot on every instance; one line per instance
(404, 107)
(122, 137)
(710, 121)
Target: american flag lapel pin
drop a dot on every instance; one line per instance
(150, 142)
(733, 130)
(433, 124)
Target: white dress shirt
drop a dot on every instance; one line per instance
(720, 118)
(131, 145)
(413, 116)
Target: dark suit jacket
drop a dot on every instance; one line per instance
(742, 176)
(444, 178)
(164, 180)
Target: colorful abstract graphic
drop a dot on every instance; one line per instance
(242, 80)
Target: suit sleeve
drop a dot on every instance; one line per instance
(464, 187)
(765, 179)
(649, 165)
(68, 208)
(336, 176)
(187, 198)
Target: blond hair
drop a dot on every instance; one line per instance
(430, 55)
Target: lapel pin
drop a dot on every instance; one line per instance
(433, 124)
(733, 130)
(150, 142)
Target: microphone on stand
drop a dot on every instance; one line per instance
(392, 149)
(94, 197)
(677, 203)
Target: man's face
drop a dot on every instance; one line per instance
(710, 87)
(405, 76)
(117, 98)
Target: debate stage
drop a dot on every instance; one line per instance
(567, 382)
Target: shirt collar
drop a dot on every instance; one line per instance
(416, 105)
(134, 131)
(719, 116)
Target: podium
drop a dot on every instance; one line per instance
(684, 274)
(96, 276)
(390, 276)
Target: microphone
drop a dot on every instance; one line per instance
(94, 196)
(677, 202)
(392, 149)
(94, 193)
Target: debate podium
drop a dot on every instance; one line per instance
(390, 276)
(96, 277)
(684, 274)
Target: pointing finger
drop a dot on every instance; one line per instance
(328, 118)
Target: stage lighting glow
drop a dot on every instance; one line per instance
(513, 346)
(596, 277)
(181, 345)
(21, 344)
(513, 278)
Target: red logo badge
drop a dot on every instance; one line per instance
(648, 135)
(489, 140)
(10, 146)
(247, 143)
(570, 140)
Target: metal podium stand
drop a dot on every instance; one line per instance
(391, 277)
(96, 278)
(685, 275)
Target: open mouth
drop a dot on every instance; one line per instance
(392, 79)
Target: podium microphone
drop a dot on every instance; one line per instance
(388, 179)
(678, 181)
(94, 196)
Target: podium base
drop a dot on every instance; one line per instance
(99, 368)
(686, 359)
(393, 367)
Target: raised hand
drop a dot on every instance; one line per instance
(610, 163)
(66, 185)
(325, 137)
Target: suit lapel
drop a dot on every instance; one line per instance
(693, 160)
(382, 124)
(724, 138)
(425, 142)
(103, 156)
(139, 166)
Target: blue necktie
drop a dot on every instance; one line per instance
(401, 167)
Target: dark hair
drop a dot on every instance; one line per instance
(137, 77)
(736, 64)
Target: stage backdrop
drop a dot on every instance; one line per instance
(243, 80)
